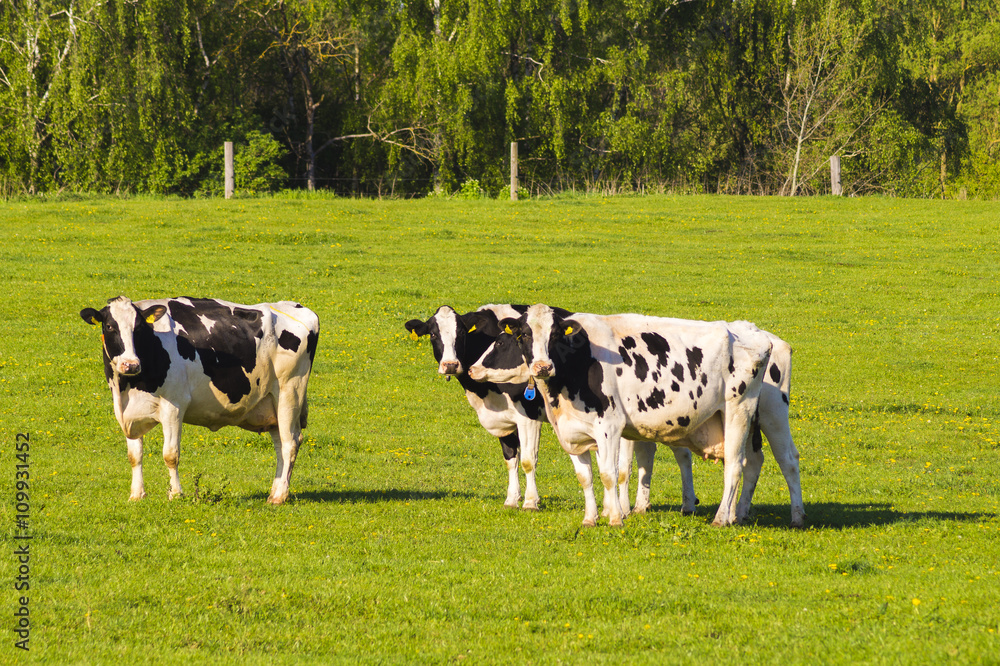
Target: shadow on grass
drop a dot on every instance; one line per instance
(831, 515)
(370, 496)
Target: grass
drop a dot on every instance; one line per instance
(395, 547)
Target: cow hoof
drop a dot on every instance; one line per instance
(174, 495)
(590, 522)
(510, 504)
(640, 509)
(617, 522)
(275, 500)
(687, 512)
(532, 506)
(798, 525)
(136, 498)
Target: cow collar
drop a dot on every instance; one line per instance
(529, 390)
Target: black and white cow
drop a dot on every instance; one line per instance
(688, 384)
(209, 363)
(457, 341)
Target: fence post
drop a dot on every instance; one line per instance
(513, 170)
(229, 169)
(835, 186)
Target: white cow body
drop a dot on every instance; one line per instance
(209, 363)
(691, 385)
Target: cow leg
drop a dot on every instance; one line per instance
(625, 450)
(529, 432)
(288, 437)
(688, 498)
(286, 448)
(607, 464)
(775, 426)
(172, 452)
(509, 444)
(584, 474)
(645, 452)
(135, 459)
(737, 425)
(751, 474)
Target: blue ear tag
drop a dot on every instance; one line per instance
(529, 391)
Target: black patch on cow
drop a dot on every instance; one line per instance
(658, 347)
(628, 342)
(775, 374)
(618, 371)
(641, 368)
(186, 349)
(655, 376)
(683, 421)
(678, 372)
(228, 351)
(623, 352)
(732, 365)
(755, 439)
(784, 396)
(641, 405)
(691, 395)
(290, 341)
(578, 374)
(509, 445)
(704, 379)
(675, 387)
(742, 388)
(312, 340)
(699, 392)
(694, 357)
(656, 398)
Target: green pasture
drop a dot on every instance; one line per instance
(395, 547)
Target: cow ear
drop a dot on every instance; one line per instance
(416, 328)
(571, 328)
(154, 313)
(91, 316)
(477, 321)
(510, 326)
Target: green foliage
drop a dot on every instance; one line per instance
(383, 97)
(395, 546)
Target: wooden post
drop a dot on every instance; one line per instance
(229, 169)
(513, 170)
(835, 186)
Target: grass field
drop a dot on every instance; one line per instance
(395, 547)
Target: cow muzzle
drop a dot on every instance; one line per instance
(129, 367)
(477, 373)
(450, 368)
(543, 369)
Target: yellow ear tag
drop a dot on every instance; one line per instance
(414, 336)
(569, 330)
(93, 320)
(507, 330)
(150, 319)
(472, 329)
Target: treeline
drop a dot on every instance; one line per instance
(398, 97)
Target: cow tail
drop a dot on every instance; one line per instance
(757, 441)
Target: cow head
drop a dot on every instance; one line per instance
(503, 362)
(121, 321)
(526, 346)
(447, 331)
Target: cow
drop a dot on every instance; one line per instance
(209, 363)
(685, 383)
(505, 410)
